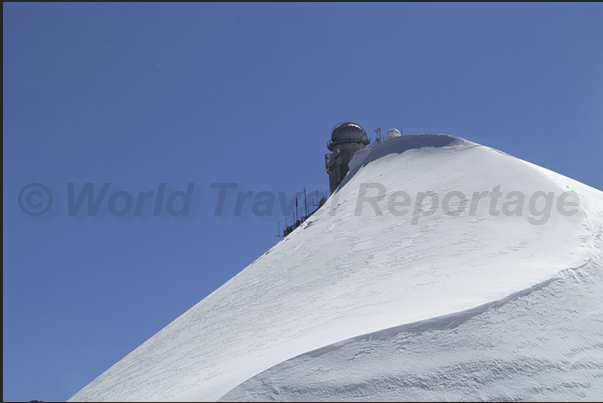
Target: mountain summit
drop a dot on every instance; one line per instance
(439, 269)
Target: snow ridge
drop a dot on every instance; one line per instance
(377, 305)
(544, 343)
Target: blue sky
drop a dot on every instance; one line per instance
(141, 94)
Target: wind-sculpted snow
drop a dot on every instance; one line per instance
(398, 145)
(543, 345)
(445, 281)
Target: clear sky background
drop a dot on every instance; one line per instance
(141, 94)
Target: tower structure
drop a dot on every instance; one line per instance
(346, 139)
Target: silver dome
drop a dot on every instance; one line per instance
(349, 132)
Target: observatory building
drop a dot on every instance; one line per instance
(346, 139)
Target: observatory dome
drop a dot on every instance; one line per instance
(391, 133)
(349, 132)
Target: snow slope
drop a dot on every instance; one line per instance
(356, 304)
(543, 345)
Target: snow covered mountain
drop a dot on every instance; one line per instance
(439, 270)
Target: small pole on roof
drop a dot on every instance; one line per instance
(305, 202)
(378, 133)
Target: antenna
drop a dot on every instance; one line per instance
(378, 138)
(305, 204)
